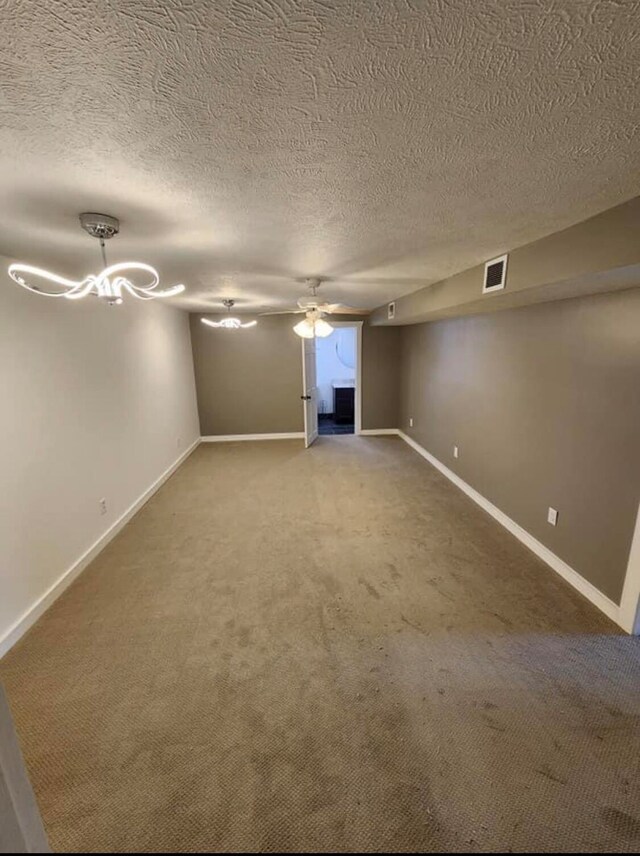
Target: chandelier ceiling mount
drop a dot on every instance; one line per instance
(100, 226)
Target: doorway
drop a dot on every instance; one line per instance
(319, 403)
(336, 379)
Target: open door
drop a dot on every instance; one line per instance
(309, 391)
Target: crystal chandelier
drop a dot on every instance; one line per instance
(110, 284)
(229, 322)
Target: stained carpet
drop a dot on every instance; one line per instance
(326, 650)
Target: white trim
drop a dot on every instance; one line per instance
(305, 410)
(233, 438)
(357, 427)
(597, 598)
(630, 602)
(379, 432)
(27, 619)
(488, 289)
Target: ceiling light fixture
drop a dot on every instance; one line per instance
(229, 322)
(313, 325)
(110, 284)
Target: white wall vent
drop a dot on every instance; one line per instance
(495, 274)
(391, 311)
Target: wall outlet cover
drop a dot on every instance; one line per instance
(103, 506)
(552, 516)
(455, 452)
(411, 422)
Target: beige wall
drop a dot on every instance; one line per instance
(250, 381)
(544, 404)
(98, 402)
(598, 255)
(380, 376)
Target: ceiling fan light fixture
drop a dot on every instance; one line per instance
(312, 326)
(322, 329)
(304, 329)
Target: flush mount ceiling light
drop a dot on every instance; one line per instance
(229, 322)
(110, 284)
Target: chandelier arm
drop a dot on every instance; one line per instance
(168, 292)
(82, 289)
(151, 292)
(17, 271)
(144, 292)
(134, 290)
(120, 267)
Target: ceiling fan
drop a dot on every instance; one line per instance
(314, 324)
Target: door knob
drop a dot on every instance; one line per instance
(305, 397)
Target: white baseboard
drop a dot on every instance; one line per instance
(232, 438)
(597, 598)
(379, 432)
(20, 627)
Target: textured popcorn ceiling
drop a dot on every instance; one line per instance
(249, 143)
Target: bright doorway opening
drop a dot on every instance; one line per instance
(337, 380)
(337, 368)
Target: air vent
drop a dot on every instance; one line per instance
(495, 274)
(391, 311)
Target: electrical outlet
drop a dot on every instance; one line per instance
(411, 422)
(552, 516)
(103, 506)
(455, 452)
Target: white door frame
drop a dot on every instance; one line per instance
(357, 422)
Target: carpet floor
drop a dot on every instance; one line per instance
(332, 650)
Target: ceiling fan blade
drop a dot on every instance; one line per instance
(283, 312)
(341, 309)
